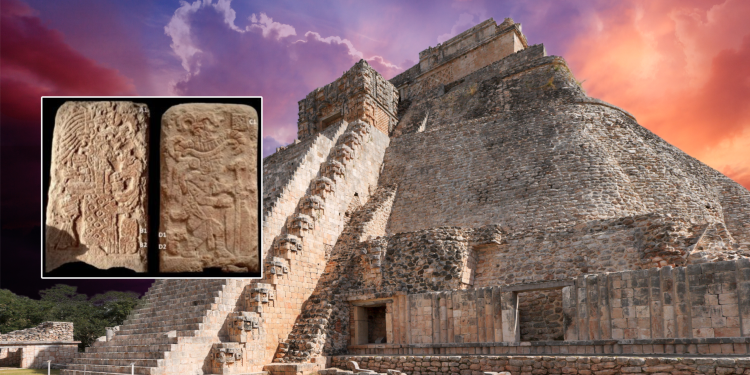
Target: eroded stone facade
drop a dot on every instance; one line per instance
(98, 185)
(34, 347)
(505, 212)
(360, 94)
(209, 188)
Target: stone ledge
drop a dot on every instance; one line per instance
(545, 364)
(670, 341)
(595, 101)
(27, 343)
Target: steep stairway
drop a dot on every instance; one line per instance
(170, 333)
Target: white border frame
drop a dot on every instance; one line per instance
(155, 277)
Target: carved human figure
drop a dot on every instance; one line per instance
(209, 187)
(97, 193)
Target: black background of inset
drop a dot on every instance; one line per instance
(157, 107)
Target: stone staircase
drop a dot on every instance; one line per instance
(307, 339)
(170, 333)
(302, 248)
(277, 205)
(235, 326)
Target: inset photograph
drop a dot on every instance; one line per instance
(151, 187)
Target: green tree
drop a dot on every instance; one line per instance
(62, 303)
(18, 312)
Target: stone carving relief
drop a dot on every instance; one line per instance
(276, 268)
(323, 185)
(288, 245)
(98, 185)
(245, 326)
(227, 358)
(260, 294)
(334, 168)
(209, 188)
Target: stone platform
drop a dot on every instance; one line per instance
(585, 365)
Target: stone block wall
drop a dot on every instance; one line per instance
(599, 365)
(287, 176)
(458, 316)
(303, 247)
(505, 144)
(541, 315)
(698, 303)
(627, 243)
(10, 356)
(36, 356)
(457, 57)
(47, 331)
(360, 94)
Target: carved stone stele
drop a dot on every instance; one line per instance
(98, 185)
(209, 188)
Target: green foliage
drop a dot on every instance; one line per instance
(62, 303)
(18, 312)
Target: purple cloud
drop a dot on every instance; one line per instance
(259, 56)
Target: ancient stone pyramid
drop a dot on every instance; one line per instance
(478, 204)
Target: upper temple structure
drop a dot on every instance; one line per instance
(478, 209)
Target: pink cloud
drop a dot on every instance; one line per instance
(681, 68)
(269, 28)
(263, 59)
(37, 61)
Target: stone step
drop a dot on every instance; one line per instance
(147, 324)
(163, 345)
(139, 362)
(160, 329)
(161, 354)
(116, 369)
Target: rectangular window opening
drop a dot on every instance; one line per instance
(540, 314)
(370, 325)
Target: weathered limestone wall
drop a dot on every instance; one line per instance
(628, 243)
(305, 246)
(360, 94)
(329, 319)
(505, 144)
(600, 365)
(413, 111)
(33, 347)
(457, 57)
(540, 315)
(10, 357)
(702, 304)
(47, 331)
(287, 175)
(698, 301)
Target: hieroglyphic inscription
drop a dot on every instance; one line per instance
(98, 176)
(209, 188)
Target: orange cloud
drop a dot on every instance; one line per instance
(682, 70)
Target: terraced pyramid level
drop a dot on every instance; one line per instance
(478, 204)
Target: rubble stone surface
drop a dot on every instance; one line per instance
(33, 347)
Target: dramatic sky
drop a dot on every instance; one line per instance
(680, 66)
